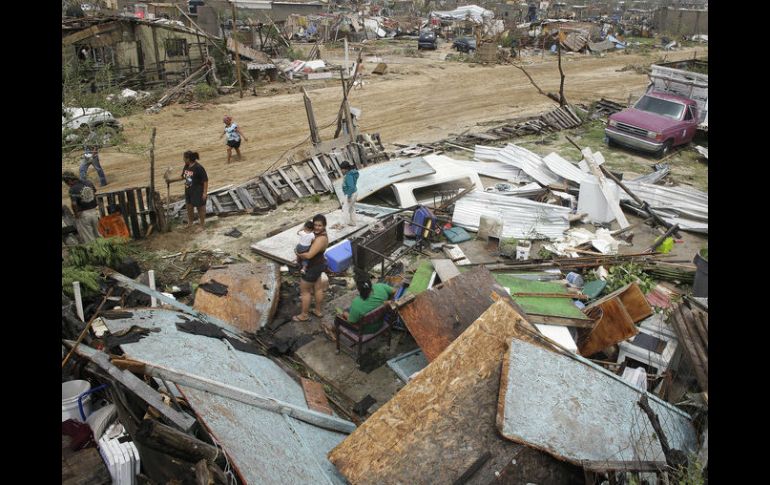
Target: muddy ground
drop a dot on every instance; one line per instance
(419, 99)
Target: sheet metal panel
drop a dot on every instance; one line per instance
(576, 410)
(492, 169)
(531, 163)
(376, 177)
(522, 218)
(444, 174)
(564, 168)
(263, 446)
(281, 246)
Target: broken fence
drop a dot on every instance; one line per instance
(312, 176)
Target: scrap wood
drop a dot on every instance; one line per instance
(238, 394)
(442, 421)
(182, 420)
(85, 330)
(438, 316)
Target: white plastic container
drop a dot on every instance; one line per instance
(522, 250)
(70, 391)
(591, 201)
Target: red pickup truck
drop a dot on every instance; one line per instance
(656, 123)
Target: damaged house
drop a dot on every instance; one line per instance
(138, 52)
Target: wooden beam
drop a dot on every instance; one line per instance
(290, 183)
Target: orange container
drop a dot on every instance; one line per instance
(113, 225)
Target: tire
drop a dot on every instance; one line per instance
(611, 143)
(664, 150)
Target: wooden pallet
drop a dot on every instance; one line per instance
(133, 204)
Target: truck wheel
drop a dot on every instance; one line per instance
(664, 150)
(611, 143)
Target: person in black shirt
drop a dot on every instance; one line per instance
(196, 186)
(83, 197)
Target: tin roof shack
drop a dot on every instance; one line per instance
(137, 52)
(682, 21)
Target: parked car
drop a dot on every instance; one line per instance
(427, 40)
(97, 119)
(655, 124)
(464, 44)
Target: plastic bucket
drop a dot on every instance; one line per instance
(70, 391)
(522, 250)
(700, 286)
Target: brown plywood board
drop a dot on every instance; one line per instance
(443, 420)
(438, 316)
(252, 294)
(633, 300)
(315, 396)
(614, 325)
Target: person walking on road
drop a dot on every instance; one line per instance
(91, 157)
(234, 137)
(351, 191)
(83, 196)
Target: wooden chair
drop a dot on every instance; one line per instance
(354, 331)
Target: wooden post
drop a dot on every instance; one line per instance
(151, 203)
(237, 55)
(78, 300)
(176, 443)
(151, 277)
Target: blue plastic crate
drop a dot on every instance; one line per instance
(339, 257)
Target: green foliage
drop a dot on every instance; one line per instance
(204, 92)
(623, 274)
(692, 475)
(87, 276)
(294, 54)
(100, 252)
(545, 254)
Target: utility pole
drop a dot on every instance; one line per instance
(237, 55)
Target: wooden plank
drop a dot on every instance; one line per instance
(316, 396)
(252, 294)
(322, 173)
(101, 204)
(215, 200)
(266, 194)
(236, 199)
(245, 196)
(146, 393)
(276, 191)
(141, 210)
(531, 376)
(438, 425)
(290, 183)
(124, 210)
(445, 268)
(613, 203)
(307, 185)
(456, 255)
(335, 164)
(561, 321)
(438, 316)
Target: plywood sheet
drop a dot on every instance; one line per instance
(252, 294)
(281, 246)
(442, 421)
(576, 410)
(613, 325)
(438, 316)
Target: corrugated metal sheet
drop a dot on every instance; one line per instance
(531, 163)
(576, 410)
(684, 206)
(493, 169)
(564, 168)
(375, 177)
(264, 447)
(522, 218)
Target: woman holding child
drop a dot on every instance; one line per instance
(311, 282)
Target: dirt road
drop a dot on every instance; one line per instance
(420, 99)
